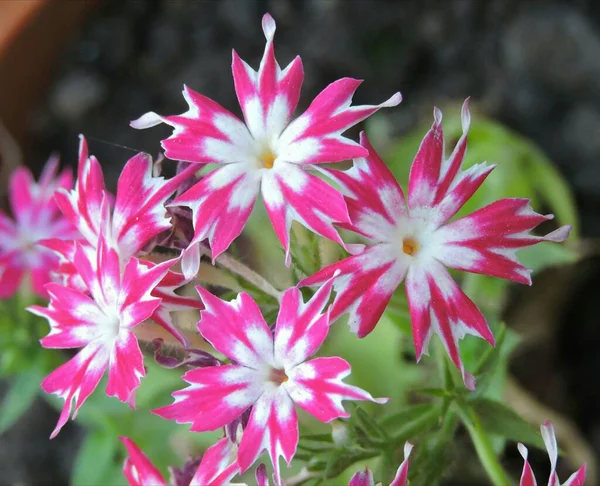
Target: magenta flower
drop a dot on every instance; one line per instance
(411, 238)
(100, 321)
(270, 374)
(137, 215)
(267, 154)
(365, 477)
(217, 467)
(36, 218)
(527, 477)
(138, 469)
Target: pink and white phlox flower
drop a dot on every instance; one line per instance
(138, 469)
(217, 467)
(36, 218)
(270, 374)
(269, 153)
(411, 238)
(528, 478)
(100, 321)
(137, 214)
(365, 477)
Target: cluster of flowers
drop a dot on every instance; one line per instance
(95, 246)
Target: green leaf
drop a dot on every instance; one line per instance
(497, 419)
(95, 459)
(411, 421)
(546, 255)
(20, 396)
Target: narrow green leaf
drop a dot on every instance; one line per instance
(411, 414)
(20, 396)
(95, 459)
(497, 419)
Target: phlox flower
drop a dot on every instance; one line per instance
(268, 373)
(365, 477)
(100, 320)
(36, 218)
(527, 477)
(137, 215)
(217, 468)
(411, 238)
(269, 153)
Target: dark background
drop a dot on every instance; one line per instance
(533, 65)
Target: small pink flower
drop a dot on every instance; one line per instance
(217, 467)
(365, 477)
(36, 218)
(411, 238)
(268, 154)
(270, 374)
(136, 216)
(527, 477)
(138, 469)
(100, 321)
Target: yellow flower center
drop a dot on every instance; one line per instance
(268, 159)
(410, 246)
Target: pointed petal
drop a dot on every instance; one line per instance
(317, 386)
(375, 200)
(221, 203)
(363, 287)
(218, 466)
(217, 396)
(237, 329)
(207, 133)
(273, 426)
(401, 477)
(138, 469)
(290, 193)
(316, 135)
(75, 319)
(486, 241)
(438, 305)
(425, 169)
(76, 380)
(527, 476)
(301, 328)
(362, 478)
(268, 97)
(125, 368)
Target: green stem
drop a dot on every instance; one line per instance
(482, 444)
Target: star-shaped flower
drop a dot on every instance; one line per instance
(411, 238)
(100, 320)
(527, 477)
(269, 373)
(268, 154)
(36, 218)
(136, 215)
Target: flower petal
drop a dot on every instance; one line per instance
(316, 135)
(401, 477)
(221, 203)
(125, 368)
(301, 328)
(438, 305)
(138, 469)
(486, 241)
(290, 193)
(237, 329)
(218, 466)
(76, 380)
(317, 387)
(363, 287)
(273, 425)
(217, 396)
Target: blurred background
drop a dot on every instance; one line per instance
(532, 70)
